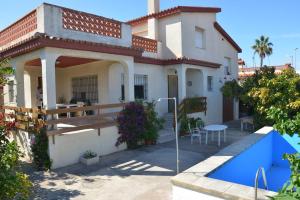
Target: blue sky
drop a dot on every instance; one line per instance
(244, 20)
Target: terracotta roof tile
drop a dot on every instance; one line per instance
(174, 11)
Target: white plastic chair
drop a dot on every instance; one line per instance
(196, 132)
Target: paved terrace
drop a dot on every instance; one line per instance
(143, 173)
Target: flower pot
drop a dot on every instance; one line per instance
(89, 161)
(183, 133)
(148, 142)
(153, 142)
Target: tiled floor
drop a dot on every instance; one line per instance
(133, 174)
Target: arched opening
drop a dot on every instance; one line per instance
(76, 79)
(194, 83)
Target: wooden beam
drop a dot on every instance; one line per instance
(77, 119)
(77, 128)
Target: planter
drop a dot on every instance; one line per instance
(148, 142)
(89, 161)
(183, 133)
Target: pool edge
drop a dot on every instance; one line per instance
(195, 178)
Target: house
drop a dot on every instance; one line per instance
(245, 71)
(67, 54)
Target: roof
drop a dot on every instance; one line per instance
(41, 40)
(182, 60)
(241, 61)
(174, 11)
(219, 28)
(250, 71)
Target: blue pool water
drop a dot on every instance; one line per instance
(266, 153)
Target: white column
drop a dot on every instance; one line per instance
(129, 81)
(181, 73)
(28, 91)
(19, 71)
(49, 81)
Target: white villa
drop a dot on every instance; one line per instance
(179, 52)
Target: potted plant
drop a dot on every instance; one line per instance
(152, 125)
(184, 126)
(131, 123)
(89, 158)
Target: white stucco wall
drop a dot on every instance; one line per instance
(195, 78)
(180, 193)
(170, 34)
(157, 83)
(140, 29)
(68, 148)
(52, 25)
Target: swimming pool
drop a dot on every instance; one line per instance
(266, 153)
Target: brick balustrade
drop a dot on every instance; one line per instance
(84, 22)
(144, 43)
(19, 29)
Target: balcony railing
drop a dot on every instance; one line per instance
(192, 105)
(19, 29)
(84, 22)
(59, 121)
(146, 44)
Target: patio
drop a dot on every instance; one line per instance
(143, 173)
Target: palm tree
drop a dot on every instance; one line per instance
(263, 48)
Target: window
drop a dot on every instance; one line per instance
(11, 91)
(85, 88)
(209, 83)
(227, 66)
(199, 37)
(122, 88)
(140, 87)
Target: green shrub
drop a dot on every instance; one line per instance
(131, 123)
(153, 123)
(39, 150)
(291, 190)
(13, 183)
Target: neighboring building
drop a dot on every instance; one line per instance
(245, 71)
(182, 52)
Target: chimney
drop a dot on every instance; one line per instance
(153, 6)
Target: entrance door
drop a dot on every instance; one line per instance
(172, 91)
(227, 109)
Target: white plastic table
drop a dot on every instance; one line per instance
(216, 128)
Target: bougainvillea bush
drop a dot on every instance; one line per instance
(13, 183)
(131, 124)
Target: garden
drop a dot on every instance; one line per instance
(273, 100)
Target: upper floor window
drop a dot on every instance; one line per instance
(209, 83)
(11, 91)
(227, 66)
(199, 37)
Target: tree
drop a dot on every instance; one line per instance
(277, 99)
(263, 48)
(13, 183)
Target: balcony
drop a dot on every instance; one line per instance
(66, 23)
